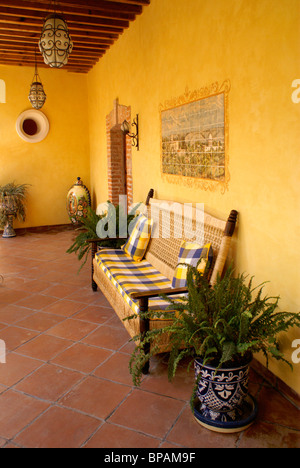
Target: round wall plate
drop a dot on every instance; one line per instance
(32, 126)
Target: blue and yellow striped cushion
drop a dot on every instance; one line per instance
(138, 240)
(190, 254)
(128, 277)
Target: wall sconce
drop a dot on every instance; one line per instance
(135, 136)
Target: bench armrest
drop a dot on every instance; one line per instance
(159, 292)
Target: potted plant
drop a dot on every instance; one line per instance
(219, 326)
(88, 230)
(12, 206)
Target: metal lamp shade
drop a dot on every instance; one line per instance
(125, 127)
(37, 95)
(55, 42)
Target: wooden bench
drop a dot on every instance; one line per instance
(172, 223)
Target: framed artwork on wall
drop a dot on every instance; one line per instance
(194, 138)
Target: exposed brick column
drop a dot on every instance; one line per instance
(119, 153)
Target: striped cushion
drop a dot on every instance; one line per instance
(190, 254)
(128, 276)
(138, 240)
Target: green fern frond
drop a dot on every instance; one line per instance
(221, 323)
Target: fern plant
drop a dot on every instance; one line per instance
(88, 230)
(223, 324)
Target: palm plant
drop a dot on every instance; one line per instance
(88, 230)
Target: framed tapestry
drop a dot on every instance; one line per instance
(194, 138)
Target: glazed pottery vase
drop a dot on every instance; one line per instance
(8, 207)
(78, 200)
(223, 402)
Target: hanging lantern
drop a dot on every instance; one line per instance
(55, 42)
(37, 95)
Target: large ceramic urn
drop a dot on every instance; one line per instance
(78, 200)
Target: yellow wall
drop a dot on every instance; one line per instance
(52, 165)
(173, 46)
(180, 44)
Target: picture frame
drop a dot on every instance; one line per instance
(194, 138)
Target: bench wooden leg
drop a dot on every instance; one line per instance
(93, 251)
(144, 327)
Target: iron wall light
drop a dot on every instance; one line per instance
(125, 127)
(55, 42)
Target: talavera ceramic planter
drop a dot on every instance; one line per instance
(223, 402)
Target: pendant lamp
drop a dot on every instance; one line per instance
(55, 42)
(37, 95)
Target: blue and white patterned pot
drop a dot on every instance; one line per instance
(221, 393)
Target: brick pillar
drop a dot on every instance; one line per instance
(119, 153)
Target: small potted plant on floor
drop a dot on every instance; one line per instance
(220, 326)
(12, 206)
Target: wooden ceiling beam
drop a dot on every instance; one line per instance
(131, 5)
(132, 2)
(37, 18)
(19, 54)
(12, 10)
(31, 63)
(25, 55)
(74, 27)
(108, 3)
(85, 41)
(79, 30)
(76, 6)
(31, 48)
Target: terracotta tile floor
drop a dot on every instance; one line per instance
(66, 381)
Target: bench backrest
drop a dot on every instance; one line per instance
(174, 222)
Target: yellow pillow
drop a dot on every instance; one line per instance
(190, 254)
(138, 240)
